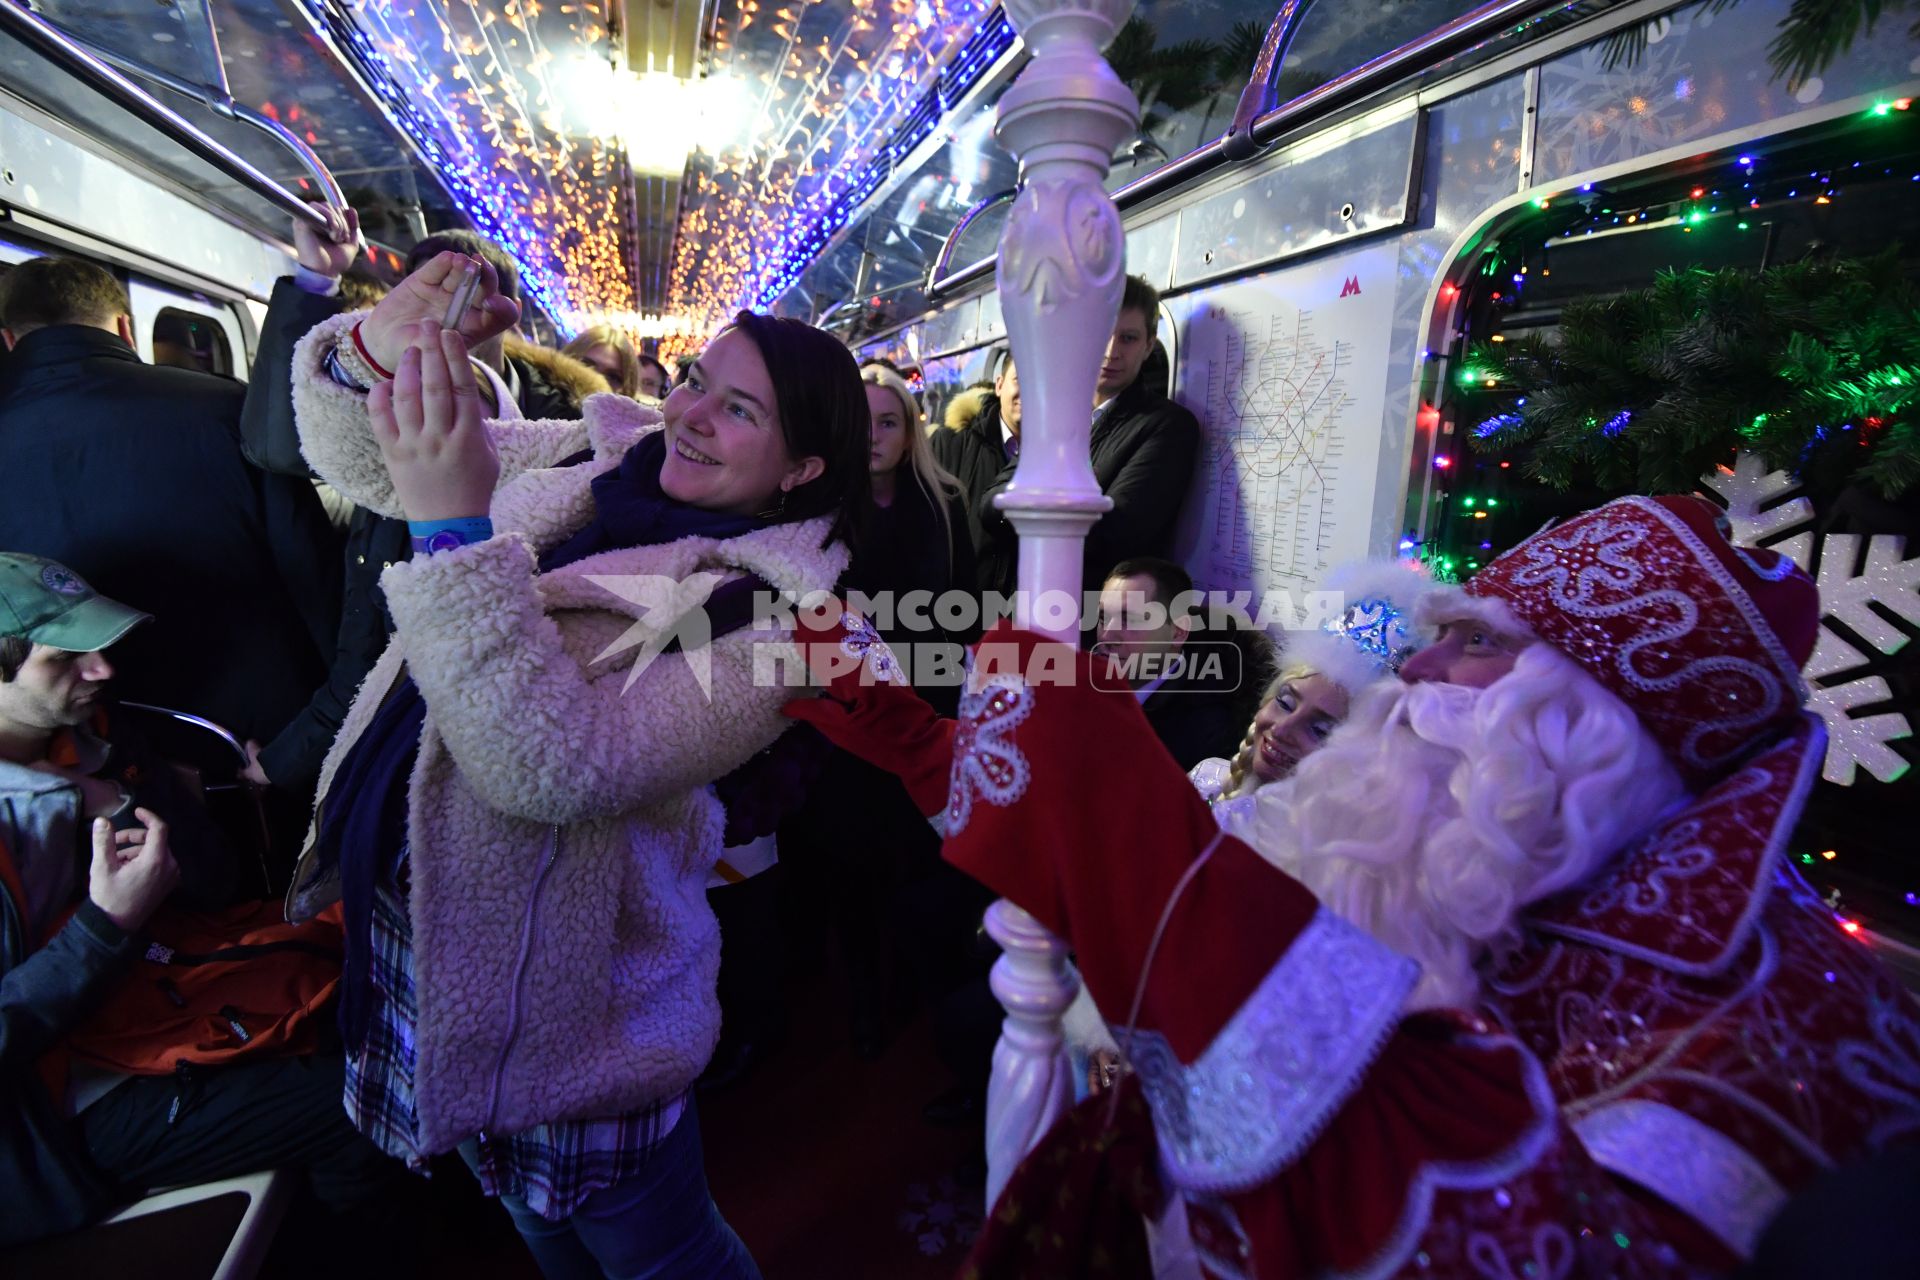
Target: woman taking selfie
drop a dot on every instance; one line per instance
(518, 814)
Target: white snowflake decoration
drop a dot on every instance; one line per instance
(1887, 579)
(1747, 488)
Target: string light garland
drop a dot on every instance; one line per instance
(1654, 387)
(476, 85)
(845, 103)
(1813, 364)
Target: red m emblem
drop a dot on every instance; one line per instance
(1351, 287)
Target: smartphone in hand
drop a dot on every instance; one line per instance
(462, 299)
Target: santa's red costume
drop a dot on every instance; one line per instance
(1567, 1010)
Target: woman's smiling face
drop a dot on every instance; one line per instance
(725, 448)
(1294, 724)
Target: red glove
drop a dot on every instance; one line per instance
(868, 710)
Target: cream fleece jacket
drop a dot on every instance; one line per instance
(561, 826)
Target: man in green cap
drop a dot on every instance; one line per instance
(53, 632)
(86, 857)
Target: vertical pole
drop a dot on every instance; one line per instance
(1060, 272)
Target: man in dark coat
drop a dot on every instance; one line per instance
(546, 385)
(1143, 445)
(1192, 685)
(134, 476)
(980, 438)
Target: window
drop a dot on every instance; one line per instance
(188, 340)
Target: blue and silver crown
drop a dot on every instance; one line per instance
(1379, 628)
(1374, 632)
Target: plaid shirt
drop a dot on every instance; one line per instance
(553, 1167)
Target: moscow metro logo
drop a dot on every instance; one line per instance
(1351, 287)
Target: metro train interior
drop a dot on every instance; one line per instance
(1362, 224)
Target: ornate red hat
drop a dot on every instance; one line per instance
(1703, 639)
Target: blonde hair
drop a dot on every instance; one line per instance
(935, 481)
(605, 335)
(1240, 772)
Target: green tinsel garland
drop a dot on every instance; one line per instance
(1811, 365)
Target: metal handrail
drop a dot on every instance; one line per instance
(944, 258)
(199, 722)
(1343, 90)
(62, 49)
(1436, 46)
(1259, 94)
(222, 103)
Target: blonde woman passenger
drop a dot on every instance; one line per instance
(918, 540)
(1321, 671)
(605, 349)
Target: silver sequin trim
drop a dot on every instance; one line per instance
(1277, 1072)
(1689, 1164)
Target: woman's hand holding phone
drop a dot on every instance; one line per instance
(431, 429)
(433, 294)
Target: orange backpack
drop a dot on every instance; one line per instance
(218, 987)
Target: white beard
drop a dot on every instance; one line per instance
(1437, 812)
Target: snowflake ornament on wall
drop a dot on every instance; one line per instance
(1849, 588)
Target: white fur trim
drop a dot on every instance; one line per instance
(338, 441)
(1686, 1163)
(1452, 604)
(1280, 1068)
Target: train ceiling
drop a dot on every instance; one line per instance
(663, 163)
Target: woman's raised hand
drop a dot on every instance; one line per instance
(431, 429)
(426, 295)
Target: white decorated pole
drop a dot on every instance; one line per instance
(1060, 273)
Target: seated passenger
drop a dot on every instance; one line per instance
(74, 1138)
(1196, 698)
(519, 815)
(1143, 445)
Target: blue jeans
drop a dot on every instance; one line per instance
(659, 1224)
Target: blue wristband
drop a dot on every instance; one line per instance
(430, 536)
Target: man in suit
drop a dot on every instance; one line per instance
(133, 475)
(1194, 693)
(1143, 445)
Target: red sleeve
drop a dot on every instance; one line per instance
(867, 708)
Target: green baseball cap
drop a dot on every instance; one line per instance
(49, 604)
